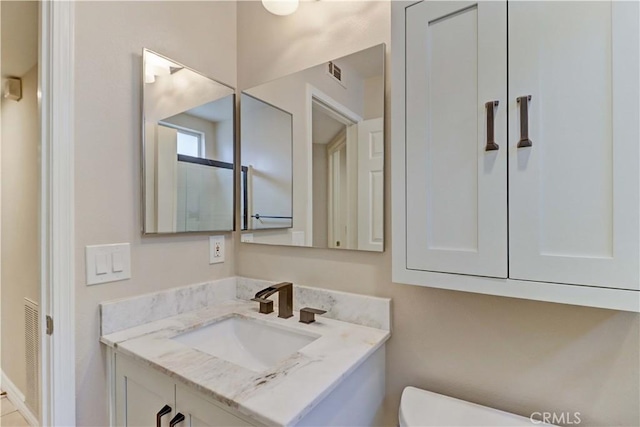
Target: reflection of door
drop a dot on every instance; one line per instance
(337, 192)
(332, 222)
(370, 184)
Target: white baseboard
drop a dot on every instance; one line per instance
(17, 398)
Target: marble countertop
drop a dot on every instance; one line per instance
(282, 395)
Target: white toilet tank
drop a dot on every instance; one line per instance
(421, 408)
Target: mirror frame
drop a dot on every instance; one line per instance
(143, 193)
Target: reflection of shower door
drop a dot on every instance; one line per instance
(370, 185)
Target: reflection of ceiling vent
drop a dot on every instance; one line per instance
(335, 72)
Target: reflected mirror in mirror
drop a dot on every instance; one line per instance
(266, 183)
(188, 149)
(332, 117)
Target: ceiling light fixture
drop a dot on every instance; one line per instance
(281, 7)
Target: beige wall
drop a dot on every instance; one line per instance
(20, 241)
(516, 355)
(109, 41)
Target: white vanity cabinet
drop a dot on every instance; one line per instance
(141, 393)
(516, 160)
(201, 412)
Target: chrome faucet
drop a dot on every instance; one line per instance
(285, 299)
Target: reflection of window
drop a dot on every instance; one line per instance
(190, 142)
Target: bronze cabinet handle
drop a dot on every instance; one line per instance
(176, 420)
(524, 121)
(491, 141)
(164, 411)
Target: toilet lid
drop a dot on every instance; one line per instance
(421, 408)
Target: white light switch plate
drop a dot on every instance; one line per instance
(108, 263)
(216, 249)
(246, 238)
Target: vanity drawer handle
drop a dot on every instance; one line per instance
(176, 420)
(164, 411)
(491, 141)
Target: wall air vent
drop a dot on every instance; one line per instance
(32, 351)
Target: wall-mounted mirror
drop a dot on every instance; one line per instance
(188, 149)
(312, 155)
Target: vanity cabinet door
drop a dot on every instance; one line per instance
(456, 179)
(574, 192)
(140, 394)
(201, 412)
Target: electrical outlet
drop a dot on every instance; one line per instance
(216, 249)
(246, 237)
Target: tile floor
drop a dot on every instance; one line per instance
(9, 415)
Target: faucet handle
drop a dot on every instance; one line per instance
(307, 314)
(266, 305)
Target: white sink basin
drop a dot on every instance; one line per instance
(254, 345)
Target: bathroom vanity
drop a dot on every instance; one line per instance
(213, 359)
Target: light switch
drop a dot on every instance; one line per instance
(108, 263)
(101, 263)
(117, 263)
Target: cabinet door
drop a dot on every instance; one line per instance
(140, 394)
(456, 189)
(200, 412)
(573, 194)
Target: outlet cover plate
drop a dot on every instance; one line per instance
(216, 249)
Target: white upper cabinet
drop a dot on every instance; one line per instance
(455, 64)
(573, 195)
(516, 149)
